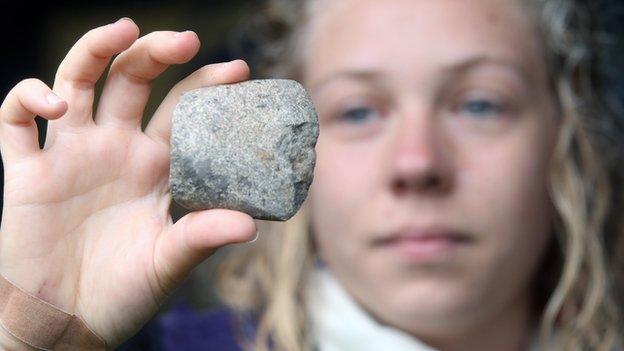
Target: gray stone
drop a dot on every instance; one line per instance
(247, 147)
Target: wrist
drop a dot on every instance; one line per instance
(9, 342)
(38, 323)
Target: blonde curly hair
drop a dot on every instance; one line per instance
(579, 288)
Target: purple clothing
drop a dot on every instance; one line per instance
(184, 329)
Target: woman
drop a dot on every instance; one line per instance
(465, 194)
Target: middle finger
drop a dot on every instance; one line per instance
(80, 70)
(132, 72)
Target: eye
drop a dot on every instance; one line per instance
(481, 108)
(360, 115)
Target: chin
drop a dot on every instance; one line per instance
(428, 306)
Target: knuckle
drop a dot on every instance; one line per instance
(74, 79)
(204, 76)
(85, 41)
(63, 71)
(206, 73)
(22, 88)
(59, 75)
(149, 39)
(91, 33)
(184, 85)
(176, 90)
(158, 34)
(12, 105)
(29, 83)
(135, 50)
(152, 41)
(94, 44)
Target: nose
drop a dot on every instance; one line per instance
(421, 160)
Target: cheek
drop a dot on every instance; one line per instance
(512, 212)
(341, 192)
(511, 186)
(344, 176)
(509, 173)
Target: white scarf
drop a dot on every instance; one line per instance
(340, 324)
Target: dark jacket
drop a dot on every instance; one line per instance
(183, 329)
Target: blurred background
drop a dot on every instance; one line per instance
(36, 38)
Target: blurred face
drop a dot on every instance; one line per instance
(429, 201)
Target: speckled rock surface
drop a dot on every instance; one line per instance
(247, 147)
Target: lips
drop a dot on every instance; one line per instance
(424, 243)
(425, 234)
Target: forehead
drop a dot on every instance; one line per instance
(404, 36)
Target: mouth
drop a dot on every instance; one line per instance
(424, 244)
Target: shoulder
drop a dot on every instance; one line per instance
(184, 329)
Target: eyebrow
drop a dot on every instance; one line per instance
(463, 66)
(451, 70)
(367, 75)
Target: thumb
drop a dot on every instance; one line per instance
(195, 237)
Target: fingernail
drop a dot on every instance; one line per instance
(255, 238)
(180, 33)
(53, 99)
(124, 19)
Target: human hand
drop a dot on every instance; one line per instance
(85, 223)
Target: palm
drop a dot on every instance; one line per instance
(105, 195)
